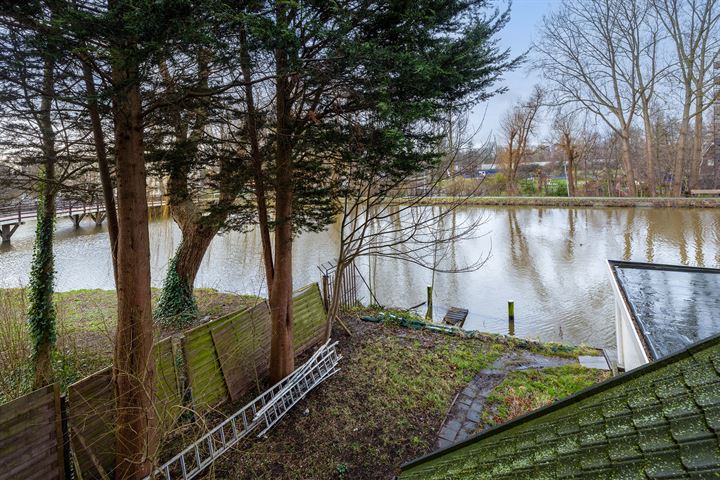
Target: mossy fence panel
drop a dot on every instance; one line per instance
(243, 349)
(92, 417)
(169, 405)
(207, 385)
(31, 439)
(230, 355)
(309, 317)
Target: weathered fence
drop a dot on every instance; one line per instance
(230, 355)
(243, 349)
(92, 412)
(225, 358)
(348, 291)
(31, 438)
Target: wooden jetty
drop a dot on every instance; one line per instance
(11, 217)
(456, 316)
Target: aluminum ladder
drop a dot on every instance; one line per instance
(265, 410)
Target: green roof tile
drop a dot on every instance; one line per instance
(680, 407)
(658, 421)
(690, 429)
(591, 416)
(712, 417)
(700, 376)
(619, 426)
(671, 387)
(649, 417)
(707, 395)
(614, 409)
(625, 449)
(593, 435)
(704, 455)
(665, 465)
(643, 399)
(595, 457)
(654, 439)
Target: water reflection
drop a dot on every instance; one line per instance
(550, 261)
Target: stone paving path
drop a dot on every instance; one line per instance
(464, 417)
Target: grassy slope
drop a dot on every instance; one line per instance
(383, 408)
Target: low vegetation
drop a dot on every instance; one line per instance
(385, 406)
(525, 390)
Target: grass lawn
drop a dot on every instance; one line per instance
(383, 408)
(86, 321)
(526, 390)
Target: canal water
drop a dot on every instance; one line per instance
(550, 261)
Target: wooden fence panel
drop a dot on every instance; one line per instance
(91, 422)
(31, 440)
(92, 412)
(310, 316)
(243, 349)
(207, 385)
(169, 398)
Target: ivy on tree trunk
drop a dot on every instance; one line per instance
(177, 306)
(41, 314)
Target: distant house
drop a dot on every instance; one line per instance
(659, 420)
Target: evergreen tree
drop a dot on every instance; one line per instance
(316, 74)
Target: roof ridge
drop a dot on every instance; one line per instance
(692, 351)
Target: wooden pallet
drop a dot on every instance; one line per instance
(456, 316)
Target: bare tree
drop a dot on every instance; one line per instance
(692, 26)
(588, 52)
(643, 41)
(575, 140)
(389, 216)
(518, 125)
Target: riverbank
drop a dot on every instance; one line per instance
(587, 202)
(394, 392)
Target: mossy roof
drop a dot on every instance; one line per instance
(661, 420)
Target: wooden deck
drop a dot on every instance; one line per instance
(12, 216)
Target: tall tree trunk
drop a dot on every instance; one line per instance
(190, 253)
(103, 164)
(177, 306)
(627, 164)
(256, 157)
(681, 154)
(572, 189)
(282, 359)
(697, 157)
(650, 155)
(570, 154)
(42, 276)
(133, 366)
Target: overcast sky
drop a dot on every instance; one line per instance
(518, 35)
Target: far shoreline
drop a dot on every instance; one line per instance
(586, 202)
